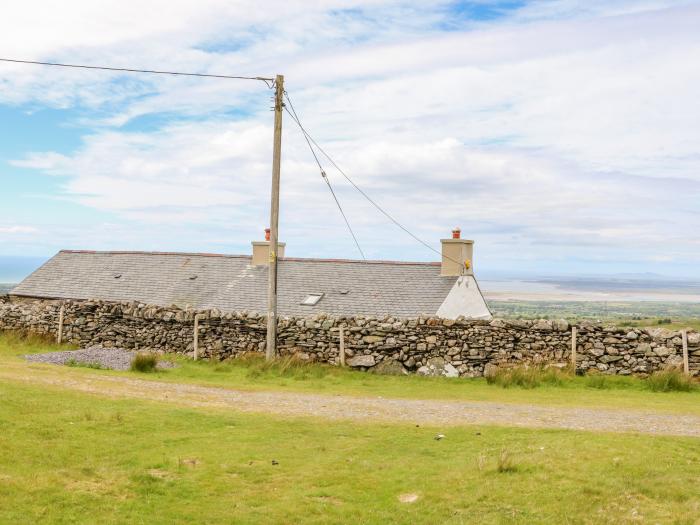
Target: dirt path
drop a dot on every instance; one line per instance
(428, 412)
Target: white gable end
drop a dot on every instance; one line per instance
(465, 300)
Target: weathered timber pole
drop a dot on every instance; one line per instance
(61, 314)
(195, 340)
(271, 350)
(341, 350)
(686, 363)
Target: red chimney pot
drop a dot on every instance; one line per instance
(456, 233)
(267, 234)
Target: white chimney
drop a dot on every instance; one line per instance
(261, 250)
(457, 255)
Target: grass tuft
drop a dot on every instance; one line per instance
(529, 377)
(506, 463)
(29, 341)
(671, 380)
(144, 362)
(82, 364)
(598, 381)
(284, 367)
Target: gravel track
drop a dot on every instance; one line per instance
(427, 412)
(113, 358)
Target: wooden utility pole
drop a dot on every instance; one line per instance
(271, 351)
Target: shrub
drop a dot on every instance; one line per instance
(671, 380)
(144, 362)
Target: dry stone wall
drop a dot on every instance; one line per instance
(429, 345)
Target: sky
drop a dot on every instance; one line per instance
(562, 136)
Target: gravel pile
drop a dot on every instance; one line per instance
(113, 358)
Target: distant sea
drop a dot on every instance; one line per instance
(14, 268)
(595, 289)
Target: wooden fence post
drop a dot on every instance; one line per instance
(196, 336)
(342, 346)
(686, 364)
(573, 347)
(61, 314)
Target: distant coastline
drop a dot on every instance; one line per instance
(603, 289)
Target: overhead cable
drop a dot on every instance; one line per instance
(295, 118)
(311, 140)
(268, 81)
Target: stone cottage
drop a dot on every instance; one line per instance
(231, 283)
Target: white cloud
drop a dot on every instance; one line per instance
(11, 230)
(569, 128)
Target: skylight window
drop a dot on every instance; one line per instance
(312, 299)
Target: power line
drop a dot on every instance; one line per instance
(311, 140)
(267, 81)
(295, 118)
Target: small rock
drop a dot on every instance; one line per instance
(439, 437)
(544, 325)
(661, 351)
(390, 367)
(361, 360)
(450, 371)
(560, 325)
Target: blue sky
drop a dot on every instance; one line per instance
(561, 135)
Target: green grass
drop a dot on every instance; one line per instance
(74, 363)
(529, 377)
(670, 381)
(290, 375)
(67, 457)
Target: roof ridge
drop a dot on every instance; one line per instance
(234, 256)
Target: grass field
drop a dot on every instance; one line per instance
(72, 458)
(612, 392)
(68, 457)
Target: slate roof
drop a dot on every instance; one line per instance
(231, 283)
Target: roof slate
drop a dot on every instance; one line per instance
(231, 283)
